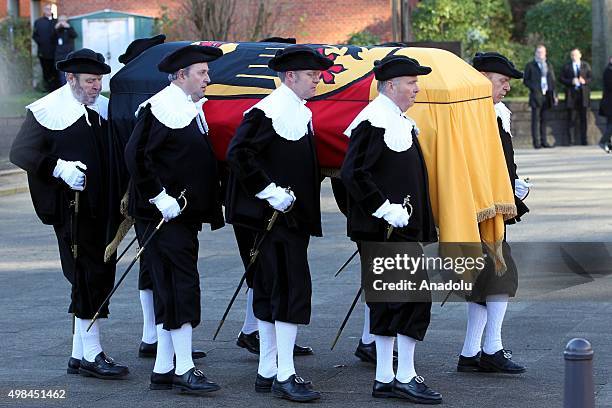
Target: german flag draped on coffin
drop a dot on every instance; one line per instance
(470, 192)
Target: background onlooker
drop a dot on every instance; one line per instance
(539, 77)
(576, 76)
(64, 43)
(43, 35)
(605, 107)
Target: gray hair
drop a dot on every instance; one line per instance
(381, 86)
(174, 76)
(282, 75)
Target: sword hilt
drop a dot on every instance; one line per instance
(289, 191)
(182, 196)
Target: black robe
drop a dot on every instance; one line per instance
(488, 283)
(36, 150)
(258, 156)
(373, 173)
(176, 159)
(506, 140)
(159, 157)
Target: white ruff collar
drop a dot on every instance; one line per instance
(290, 117)
(172, 107)
(200, 106)
(383, 113)
(60, 109)
(504, 114)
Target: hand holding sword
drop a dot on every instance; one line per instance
(407, 207)
(138, 254)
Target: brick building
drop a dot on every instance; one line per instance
(309, 21)
(108, 26)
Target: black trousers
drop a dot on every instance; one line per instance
(393, 318)
(143, 230)
(488, 283)
(91, 279)
(538, 124)
(245, 238)
(49, 74)
(282, 288)
(173, 258)
(577, 120)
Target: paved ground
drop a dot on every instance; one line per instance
(570, 202)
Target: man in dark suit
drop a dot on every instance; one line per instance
(540, 79)
(576, 76)
(44, 36)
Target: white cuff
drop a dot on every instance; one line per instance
(266, 192)
(382, 210)
(157, 197)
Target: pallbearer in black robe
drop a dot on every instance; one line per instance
(63, 147)
(489, 298)
(366, 349)
(384, 165)
(274, 151)
(168, 152)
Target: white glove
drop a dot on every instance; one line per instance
(277, 197)
(395, 214)
(521, 188)
(70, 172)
(167, 205)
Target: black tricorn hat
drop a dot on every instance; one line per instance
(188, 55)
(84, 61)
(495, 62)
(299, 58)
(139, 46)
(287, 40)
(393, 66)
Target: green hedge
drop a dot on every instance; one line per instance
(15, 56)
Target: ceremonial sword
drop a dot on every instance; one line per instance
(138, 254)
(75, 245)
(389, 232)
(253, 257)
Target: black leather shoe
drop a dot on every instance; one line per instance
(249, 342)
(103, 367)
(162, 381)
(367, 352)
(294, 388)
(195, 382)
(302, 350)
(500, 362)
(417, 391)
(147, 350)
(263, 384)
(469, 364)
(383, 390)
(197, 354)
(73, 365)
(547, 146)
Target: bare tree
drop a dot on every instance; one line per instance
(232, 20)
(210, 19)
